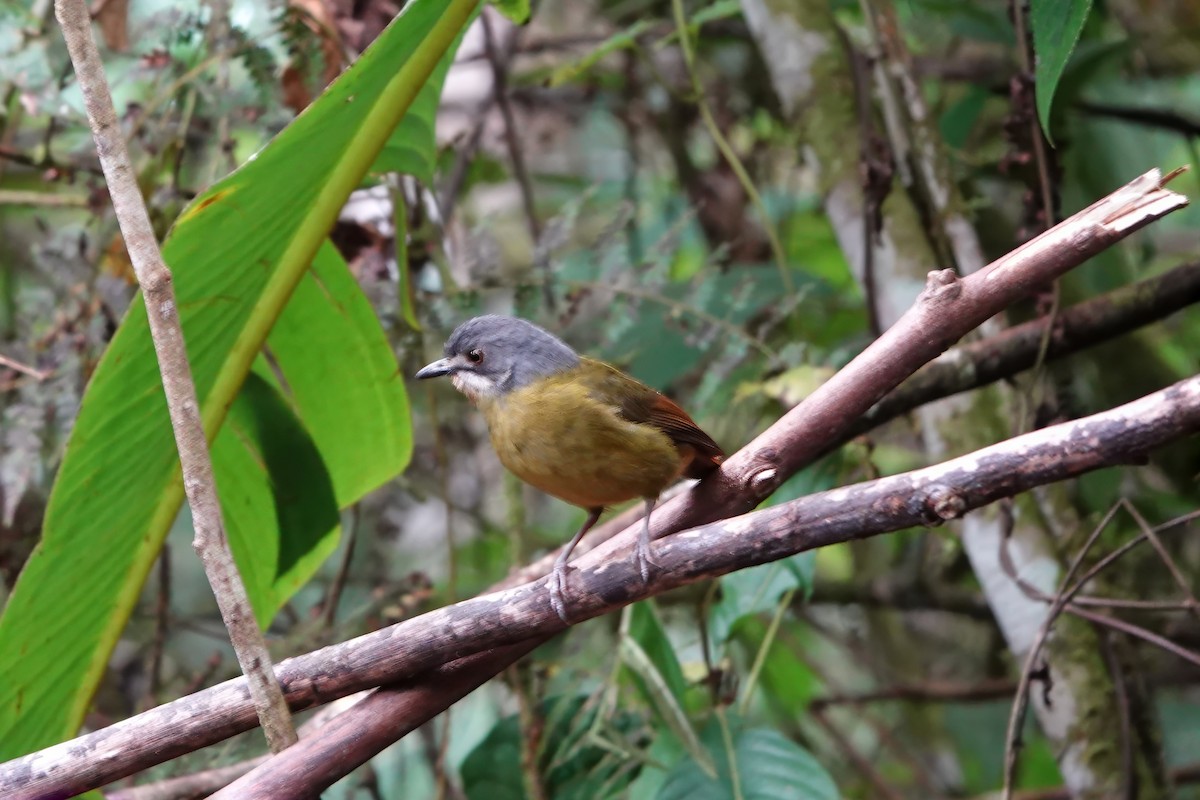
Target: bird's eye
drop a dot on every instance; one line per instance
(475, 356)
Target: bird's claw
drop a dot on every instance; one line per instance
(557, 583)
(646, 564)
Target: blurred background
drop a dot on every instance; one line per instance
(665, 186)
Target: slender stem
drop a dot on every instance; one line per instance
(726, 149)
(154, 277)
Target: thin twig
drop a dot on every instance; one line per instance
(1065, 592)
(154, 277)
(515, 154)
(334, 596)
(37, 374)
(864, 766)
(162, 618)
(1176, 573)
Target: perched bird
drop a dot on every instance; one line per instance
(574, 427)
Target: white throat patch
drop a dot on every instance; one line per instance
(474, 385)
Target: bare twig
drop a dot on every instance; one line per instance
(862, 764)
(606, 579)
(1015, 349)
(334, 595)
(933, 691)
(154, 277)
(515, 154)
(1066, 591)
(344, 743)
(1185, 587)
(162, 615)
(24, 369)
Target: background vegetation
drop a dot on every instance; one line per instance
(647, 179)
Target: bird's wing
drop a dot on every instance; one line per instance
(637, 402)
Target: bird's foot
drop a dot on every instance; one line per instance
(557, 583)
(646, 564)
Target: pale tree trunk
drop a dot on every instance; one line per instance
(812, 74)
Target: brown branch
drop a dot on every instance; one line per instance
(607, 579)
(863, 765)
(933, 691)
(1016, 349)
(306, 769)
(154, 277)
(902, 598)
(16, 366)
(947, 310)
(499, 67)
(188, 787)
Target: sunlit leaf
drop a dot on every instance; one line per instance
(238, 252)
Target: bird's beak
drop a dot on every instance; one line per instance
(437, 369)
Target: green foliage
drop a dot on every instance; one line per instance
(412, 149)
(515, 10)
(650, 255)
(755, 591)
(1056, 31)
(570, 766)
(753, 764)
(238, 253)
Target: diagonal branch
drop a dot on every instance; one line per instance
(154, 277)
(607, 579)
(947, 310)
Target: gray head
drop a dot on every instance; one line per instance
(492, 355)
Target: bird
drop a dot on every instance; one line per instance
(574, 427)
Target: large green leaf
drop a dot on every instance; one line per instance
(1056, 25)
(412, 147)
(756, 764)
(343, 379)
(272, 481)
(237, 252)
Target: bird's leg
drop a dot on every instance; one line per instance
(558, 576)
(641, 551)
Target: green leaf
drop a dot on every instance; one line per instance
(667, 708)
(516, 10)
(569, 765)
(237, 252)
(647, 630)
(1056, 25)
(756, 764)
(404, 284)
(342, 377)
(756, 590)
(263, 444)
(412, 147)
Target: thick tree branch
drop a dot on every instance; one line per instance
(154, 277)
(390, 713)
(1014, 350)
(607, 579)
(947, 310)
